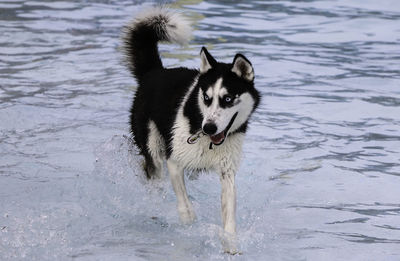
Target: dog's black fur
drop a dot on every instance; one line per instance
(161, 90)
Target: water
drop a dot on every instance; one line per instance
(320, 175)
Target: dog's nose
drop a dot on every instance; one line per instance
(210, 128)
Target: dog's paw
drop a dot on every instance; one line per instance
(231, 247)
(233, 252)
(187, 216)
(230, 244)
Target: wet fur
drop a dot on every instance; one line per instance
(168, 108)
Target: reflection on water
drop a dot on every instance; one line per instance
(320, 174)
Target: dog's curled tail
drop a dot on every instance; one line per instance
(144, 32)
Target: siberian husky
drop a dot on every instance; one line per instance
(193, 119)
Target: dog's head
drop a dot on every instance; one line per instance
(226, 95)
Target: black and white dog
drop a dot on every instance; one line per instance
(193, 119)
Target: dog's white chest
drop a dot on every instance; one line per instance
(199, 155)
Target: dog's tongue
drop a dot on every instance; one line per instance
(217, 139)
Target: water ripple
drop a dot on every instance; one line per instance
(321, 160)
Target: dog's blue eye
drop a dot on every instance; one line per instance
(228, 99)
(206, 98)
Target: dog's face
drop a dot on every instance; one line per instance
(226, 95)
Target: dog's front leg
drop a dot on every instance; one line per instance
(185, 207)
(228, 204)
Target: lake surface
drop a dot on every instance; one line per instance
(320, 176)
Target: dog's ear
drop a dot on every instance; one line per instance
(207, 61)
(242, 67)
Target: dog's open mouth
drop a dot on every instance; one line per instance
(218, 139)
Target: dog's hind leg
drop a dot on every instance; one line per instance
(185, 207)
(152, 167)
(155, 154)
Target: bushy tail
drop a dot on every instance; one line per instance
(144, 32)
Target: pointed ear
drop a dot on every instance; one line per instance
(242, 67)
(207, 61)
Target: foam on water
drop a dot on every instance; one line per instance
(128, 213)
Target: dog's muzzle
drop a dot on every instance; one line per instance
(210, 128)
(219, 138)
